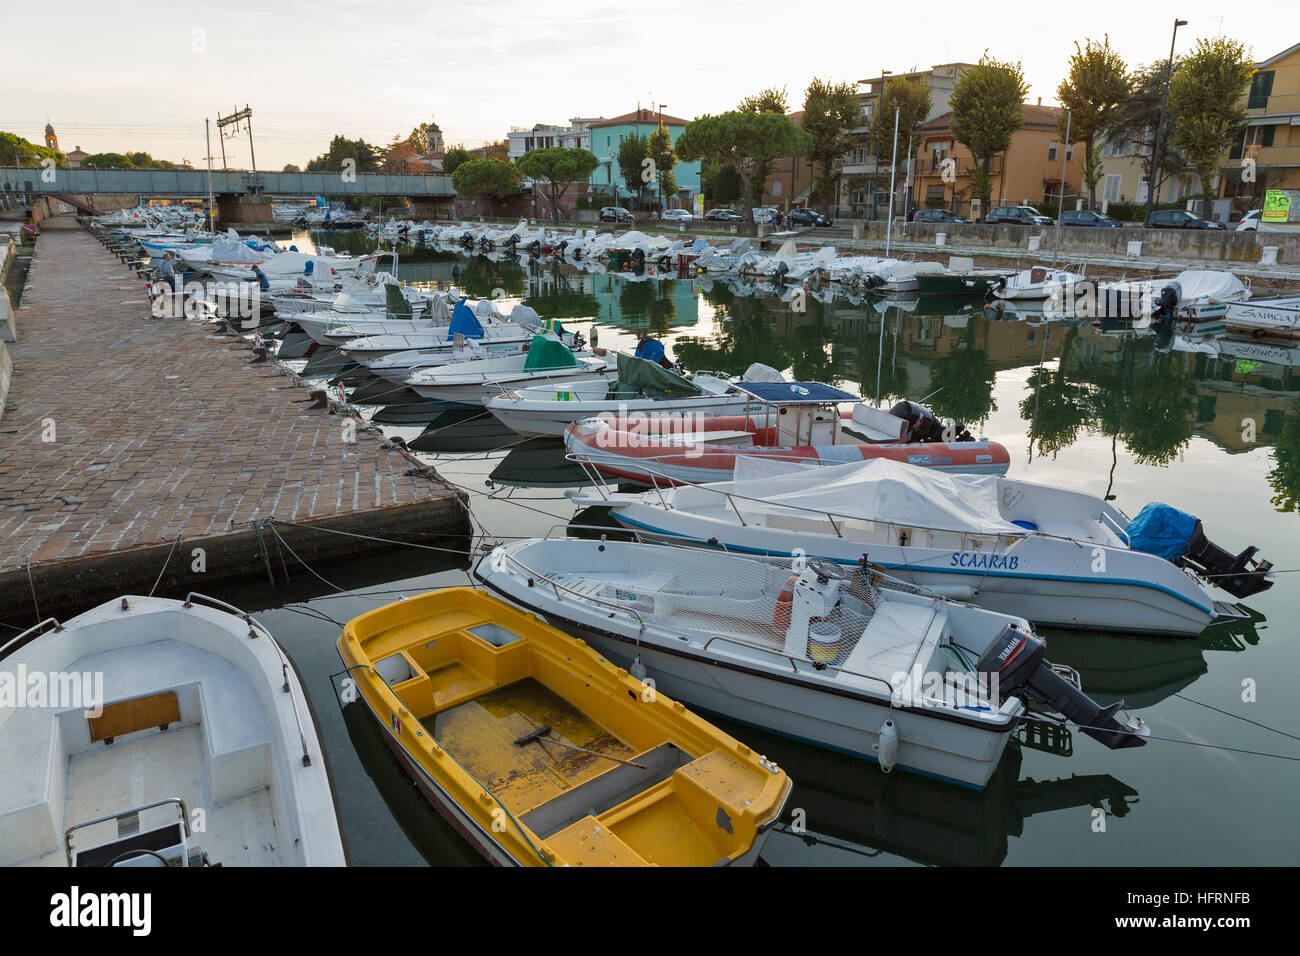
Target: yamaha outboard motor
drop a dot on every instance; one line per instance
(1016, 658)
(1179, 537)
(1166, 303)
(922, 425)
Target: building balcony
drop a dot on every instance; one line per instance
(1264, 156)
(1279, 104)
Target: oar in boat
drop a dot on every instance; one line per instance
(541, 734)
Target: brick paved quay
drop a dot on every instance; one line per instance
(162, 429)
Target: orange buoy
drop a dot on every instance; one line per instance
(784, 601)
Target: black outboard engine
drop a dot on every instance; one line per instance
(781, 269)
(1016, 658)
(922, 425)
(1166, 303)
(1241, 576)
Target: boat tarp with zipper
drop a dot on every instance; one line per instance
(1161, 530)
(645, 379)
(465, 322)
(545, 352)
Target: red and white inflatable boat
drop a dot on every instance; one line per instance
(695, 451)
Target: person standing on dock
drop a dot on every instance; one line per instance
(263, 282)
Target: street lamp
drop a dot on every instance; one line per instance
(880, 101)
(658, 159)
(1153, 186)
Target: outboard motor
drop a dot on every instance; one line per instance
(922, 425)
(1241, 576)
(781, 269)
(1016, 658)
(1179, 537)
(1166, 303)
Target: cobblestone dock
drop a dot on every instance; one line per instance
(124, 433)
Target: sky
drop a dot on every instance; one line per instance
(143, 75)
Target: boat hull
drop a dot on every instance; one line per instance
(1046, 580)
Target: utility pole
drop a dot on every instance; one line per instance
(207, 133)
(1060, 202)
(893, 171)
(1153, 179)
(234, 119)
(659, 174)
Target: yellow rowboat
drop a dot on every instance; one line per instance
(543, 753)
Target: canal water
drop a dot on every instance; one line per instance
(1212, 428)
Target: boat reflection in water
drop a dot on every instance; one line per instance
(1143, 670)
(839, 804)
(539, 463)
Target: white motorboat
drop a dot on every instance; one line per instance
(845, 658)
(1057, 557)
(547, 360)
(1038, 282)
(642, 389)
(1278, 315)
(1197, 296)
(179, 735)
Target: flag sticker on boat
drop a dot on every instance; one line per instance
(397, 724)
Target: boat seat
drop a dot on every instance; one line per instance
(890, 641)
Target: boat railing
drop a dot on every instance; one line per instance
(967, 538)
(1105, 516)
(30, 632)
(253, 628)
(557, 588)
(132, 815)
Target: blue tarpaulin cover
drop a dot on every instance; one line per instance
(465, 322)
(795, 393)
(1161, 530)
(652, 350)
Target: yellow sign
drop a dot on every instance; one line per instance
(1277, 206)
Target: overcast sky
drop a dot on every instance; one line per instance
(142, 75)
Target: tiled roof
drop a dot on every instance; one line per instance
(646, 116)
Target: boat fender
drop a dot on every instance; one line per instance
(637, 669)
(887, 746)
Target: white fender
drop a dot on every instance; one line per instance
(887, 747)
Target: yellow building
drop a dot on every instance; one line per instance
(1271, 140)
(1028, 172)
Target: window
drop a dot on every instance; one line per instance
(776, 187)
(1069, 152)
(1142, 189)
(1110, 193)
(1052, 147)
(1261, 88)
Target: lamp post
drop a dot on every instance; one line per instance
(889, 223)
(658, 158)
(1060, 202)
(880, 100)
(1153, 186)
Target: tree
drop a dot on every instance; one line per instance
(453, 158)
(1093, 92)
(987, 109)
(290, 168)
(659, 147)
(1136, 120)
(364, 157)
(16, 149)
(1205, 103)
(419, 139)
(486, 178)
(719, 181)
(400, 158)
(829, 112)
(911, 97)
(558, 168)
(766, 101)
(497, 150)
(107, 161)
(632, 153)
(743, 140)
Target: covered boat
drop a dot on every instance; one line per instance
(1057, 557)
(179, 708)
(547, 360)
(643, 388)
(543, 753)
(844, 658)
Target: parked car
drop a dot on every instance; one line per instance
(677, 215)
(1250, 221)
(807, 217)
(937, 215)
(1088, 217)
(763, 214)
(616, 214)
(1181, 219)
(724, 215)
(1017, 216)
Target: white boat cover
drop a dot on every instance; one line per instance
(874, 490)
(1213, 284)
(758, 372)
